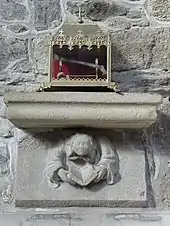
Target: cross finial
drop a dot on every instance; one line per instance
(80, 19)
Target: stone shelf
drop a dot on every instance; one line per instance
(66, 109)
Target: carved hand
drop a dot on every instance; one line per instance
(62, 173)
(101, 173)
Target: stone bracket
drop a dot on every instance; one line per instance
(87, 109)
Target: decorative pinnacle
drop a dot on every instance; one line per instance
(61, 32)
(80, 33)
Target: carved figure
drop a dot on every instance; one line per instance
(82, 160)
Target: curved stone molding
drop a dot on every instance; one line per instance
(64, 109)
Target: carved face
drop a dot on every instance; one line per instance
(81, 144)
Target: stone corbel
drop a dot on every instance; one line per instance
(67, 109)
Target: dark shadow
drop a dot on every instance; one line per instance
(79, 89)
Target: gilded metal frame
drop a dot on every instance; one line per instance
(80, 39)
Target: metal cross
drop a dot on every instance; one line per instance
(80, 14)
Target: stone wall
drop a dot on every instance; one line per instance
(141, 63)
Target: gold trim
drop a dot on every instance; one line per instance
(86, 83)
(80, 39)
(44, 86)
(113, 86)
(109, 73)
(79, 80)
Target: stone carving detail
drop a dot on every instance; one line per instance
(82, 160)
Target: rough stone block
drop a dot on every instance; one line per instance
(161, 9)
(11, 49)
(134, 13)
(46, 12)
(141, 48)
(149, 80)
(4, 160)
(118, 23)
(2, 108)
(41, 54)
(32, 187)
(99, 10)
(17, 28)
(11, 10)
(6, 128)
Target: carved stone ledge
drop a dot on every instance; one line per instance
(63, 109)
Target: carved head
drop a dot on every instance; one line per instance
(81, 144)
